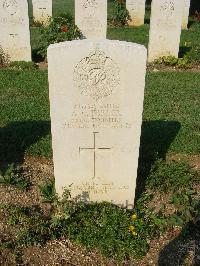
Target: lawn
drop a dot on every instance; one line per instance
(171, 99)
(37, 226)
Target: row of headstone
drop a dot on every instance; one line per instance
(91, 18)
(165, 26)
(136, 10)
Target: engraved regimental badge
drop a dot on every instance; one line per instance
(97, 75)
(90, 3)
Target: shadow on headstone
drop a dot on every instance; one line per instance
(183, 249)
(156, 137)
(16, 137)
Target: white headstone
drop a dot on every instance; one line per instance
(136, 10)
(96, 99)
(91, 18)
(42, 10)
(186, 11)
(165, 28)
(14, 30)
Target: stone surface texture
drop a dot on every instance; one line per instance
(186, 11)
(91, 18)
(42, 11)
(165, 28)
(96, 98)
(136, 10)
(14, 30)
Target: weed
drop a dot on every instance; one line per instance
(186, 205)
(167, 177)
(13, 175)
(121, 14)
(48, 191)
(59, 29)
(184, 62)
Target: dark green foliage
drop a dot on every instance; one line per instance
(121, 15)
(106, 227)
(48, 191)
(59, 29)
(187, 207)
(12, 175)
(168, 177)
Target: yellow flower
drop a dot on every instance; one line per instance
(134, 233)
(134, 217)
(131, 228)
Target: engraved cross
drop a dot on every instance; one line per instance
(95, 150)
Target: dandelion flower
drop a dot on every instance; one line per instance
(131, 228)
(134, 233)
(134, 217)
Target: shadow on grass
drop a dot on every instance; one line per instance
(36, 57)
(185, 247)
(17, 137)
(156, 137)
(147, 21)
(183, 50)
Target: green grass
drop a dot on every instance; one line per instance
(63, 6)
(170, 113)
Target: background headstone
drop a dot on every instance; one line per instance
(165, 28)
(96, 99)
(14, 30)
(186, 11)
(42, 10)
(91, 18)
(136, 10)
